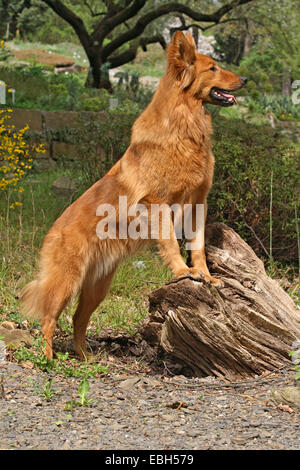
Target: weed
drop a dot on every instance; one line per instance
(45, 390)
(62, 365)
(83, 390)
(295, 355)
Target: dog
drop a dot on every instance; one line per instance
(169, 161)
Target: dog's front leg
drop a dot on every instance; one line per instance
(170, 252)
(197, 245)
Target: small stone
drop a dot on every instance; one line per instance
(66, 446)
(63, 186)
(286, 396)
(117, 427)
(264, 434)
(168, 417)
(193, 433)
(238, 440)
(15, 337)
(128, 384)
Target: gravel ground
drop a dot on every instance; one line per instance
(145, 412)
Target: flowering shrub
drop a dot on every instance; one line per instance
(15, 155)
(4, 52)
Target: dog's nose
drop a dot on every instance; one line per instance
(244, 80)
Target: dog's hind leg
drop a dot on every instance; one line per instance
(53, 300)
(92, 293)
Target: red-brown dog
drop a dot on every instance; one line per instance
(169, 161)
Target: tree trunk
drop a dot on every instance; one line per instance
(248, 38)
(196, 36)
(247, 44)
(246, 328)
(98, 76)
(286, 83)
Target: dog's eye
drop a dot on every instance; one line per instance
(213, 68)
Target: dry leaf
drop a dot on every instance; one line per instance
(285, 408)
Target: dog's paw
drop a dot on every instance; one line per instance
(192, 273)
(197, 274)
(216, 282)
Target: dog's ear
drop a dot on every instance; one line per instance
(191, 40)
(181, 57)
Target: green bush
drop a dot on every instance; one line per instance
(43, 89)
(263, 69)
(103, 141)
(246, 155)
(282, 106)
(98, 102)
(131, 93)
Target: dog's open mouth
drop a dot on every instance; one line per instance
(222, 97)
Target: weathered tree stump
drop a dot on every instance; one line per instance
(244, 329)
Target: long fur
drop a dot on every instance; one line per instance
(169, 161)
(30, 300)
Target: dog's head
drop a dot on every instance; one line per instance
(199, 75)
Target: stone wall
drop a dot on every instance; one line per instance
(56, 130)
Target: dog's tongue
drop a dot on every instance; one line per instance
(227, 95)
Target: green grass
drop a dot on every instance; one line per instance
(126, 305)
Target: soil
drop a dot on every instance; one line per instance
(152, 406)
(43, 57)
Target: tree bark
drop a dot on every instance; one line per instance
(246, 328)
(196, 35)
(94, 75)
(286, 83)
(248, 38)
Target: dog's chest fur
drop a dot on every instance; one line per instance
(174, 158)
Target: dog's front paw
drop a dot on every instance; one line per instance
(216, 282)
(197, 274)
(190, 272)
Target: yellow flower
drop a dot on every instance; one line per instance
(15, 154)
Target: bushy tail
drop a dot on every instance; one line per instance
(30, 301)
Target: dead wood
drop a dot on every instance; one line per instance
(246, 328)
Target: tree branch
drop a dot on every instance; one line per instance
(141, 24)
(119, 17)
(131, 53)
(71, 18)
(196, 25)
(93, 14)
